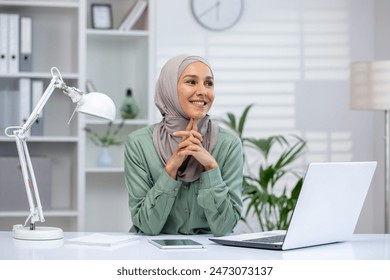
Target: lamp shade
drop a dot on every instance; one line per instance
(98, 105)
(370, 85)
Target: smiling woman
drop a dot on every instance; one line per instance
(196, 90)
(184, 174)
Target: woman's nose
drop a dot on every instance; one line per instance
(202, 90)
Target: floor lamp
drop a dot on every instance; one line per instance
(370, 90)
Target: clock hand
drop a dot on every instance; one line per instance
(209, 9)
(217, 11)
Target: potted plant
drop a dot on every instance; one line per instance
(271, 202)
(105, 140)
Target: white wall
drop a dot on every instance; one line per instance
(291, 58)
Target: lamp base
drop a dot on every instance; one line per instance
(39, 233)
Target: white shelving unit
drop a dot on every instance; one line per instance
(54, 44)
(115, 60)
(83, 196)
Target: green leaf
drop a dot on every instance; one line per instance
(242, 121)
(232, 121)
(297, 189)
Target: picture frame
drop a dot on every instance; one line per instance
(101, 15)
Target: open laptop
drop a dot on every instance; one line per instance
(327, 209)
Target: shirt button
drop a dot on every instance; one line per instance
(186, 210)
(185, 187)
(176, 189)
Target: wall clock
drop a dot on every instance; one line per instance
(217, 15)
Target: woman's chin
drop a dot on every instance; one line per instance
(197, 116)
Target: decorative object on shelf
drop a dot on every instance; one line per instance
(129, 108)
(101, 16)
(94, 104)
(217, 15)
(104, 141)
(108, 137)
(370, 90)
(104, 159)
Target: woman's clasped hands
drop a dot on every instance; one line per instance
(190, 145)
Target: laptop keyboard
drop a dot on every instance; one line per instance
(268, 239)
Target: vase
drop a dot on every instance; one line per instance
(129, 108)
(104, 159)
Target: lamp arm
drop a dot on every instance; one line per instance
(29, 180)
(30, 183)
(55, 82)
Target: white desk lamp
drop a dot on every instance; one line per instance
(95, 104)
(370, 89)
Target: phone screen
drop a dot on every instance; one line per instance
(176, 243)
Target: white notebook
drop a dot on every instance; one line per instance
(98, 239)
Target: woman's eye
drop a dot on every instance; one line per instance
(210, 84)
(192, 82)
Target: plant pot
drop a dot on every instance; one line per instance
(104, 159)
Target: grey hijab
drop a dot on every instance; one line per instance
(174, 119)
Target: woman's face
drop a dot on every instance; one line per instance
(196, 90)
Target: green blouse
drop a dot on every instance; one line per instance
(160, 204)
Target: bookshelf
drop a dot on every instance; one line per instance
(82, 194)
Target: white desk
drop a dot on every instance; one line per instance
(362, 247)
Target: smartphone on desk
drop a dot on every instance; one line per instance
(176, 244)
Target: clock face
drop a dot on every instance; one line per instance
(217, 15)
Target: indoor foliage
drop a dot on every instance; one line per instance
(108, 138)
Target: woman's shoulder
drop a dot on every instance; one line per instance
(227, 134)
(142, 133)
(228, 144)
